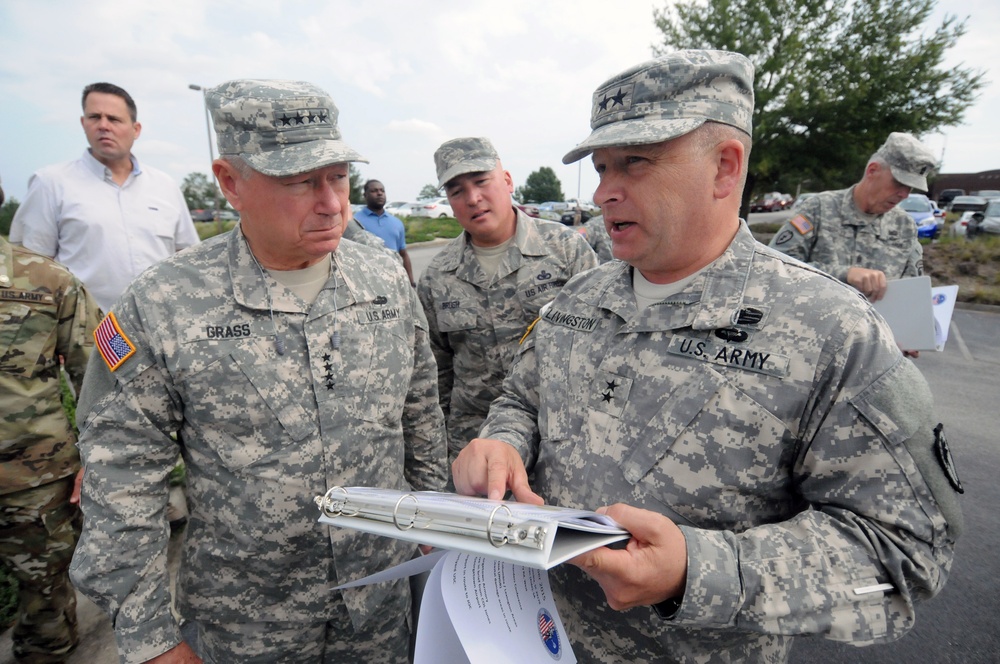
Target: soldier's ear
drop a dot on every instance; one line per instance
(229, 179)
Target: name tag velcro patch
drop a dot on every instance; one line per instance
(729, 355)
(378, 315)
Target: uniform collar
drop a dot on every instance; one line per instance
(710, 302)
(103, 172)
(460, 258)
(249, 289)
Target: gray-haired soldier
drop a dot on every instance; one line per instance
(286, 360)
(859, 234)
(766, 443)
(483, 290)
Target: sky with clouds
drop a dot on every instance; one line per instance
(405, 75)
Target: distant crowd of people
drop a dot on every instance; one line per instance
(740, 409)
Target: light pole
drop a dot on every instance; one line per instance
(211, 156)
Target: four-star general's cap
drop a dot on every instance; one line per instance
(279, 127)
(668, 97)
(909, 160)
(464, 155)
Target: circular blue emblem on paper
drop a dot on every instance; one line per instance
(939, 298)
(549, 633)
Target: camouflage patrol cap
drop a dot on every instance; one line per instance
(668, 97)
(279, 127)
(909, 160)
(464, 155)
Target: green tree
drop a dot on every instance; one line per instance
(542, 185)
(7, 211)
(833, 78)
(357, 185)
(200, 193)
(429, 191)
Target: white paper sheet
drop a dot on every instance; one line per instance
(907, 308)
(943, 298)
(483, 610)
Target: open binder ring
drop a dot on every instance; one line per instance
(330, 505)
(395, 510)
(489, 525)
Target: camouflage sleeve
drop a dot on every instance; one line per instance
(915, 261)
(423, 424)
(582, 256)
(878, 511)
(443, 355)
(792, 241)
(513, 416)
(78, 316)
(126, 420)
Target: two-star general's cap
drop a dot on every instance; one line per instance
(909, 160)
(668, 97)
(464, 155)
(279, 127)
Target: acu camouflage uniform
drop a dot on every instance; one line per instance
(768, 412)
(44, 313)
(596, 234)
(476, 322)
(264, 427)
(831, 233)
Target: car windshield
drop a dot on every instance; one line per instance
(993, 209)
(916, 205)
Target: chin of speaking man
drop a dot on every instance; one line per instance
(280, 360)
(747, 418)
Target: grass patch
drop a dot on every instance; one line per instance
(207, 229)
(424, 229)
(972, 264)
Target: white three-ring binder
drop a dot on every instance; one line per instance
(531, 535)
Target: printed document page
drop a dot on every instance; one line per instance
(944, 298)
(483, 610)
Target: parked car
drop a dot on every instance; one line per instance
(960, 227)
(433, 207)
(552, 206)
(921, 210)
(569, 216)
(771, 202)
(202, 215)
(963, 203)
(986, 222)
(947, 195)
(528, 209)
(572, 203)
(987, 193)
(399, 208)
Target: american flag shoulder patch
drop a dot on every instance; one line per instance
(801, 224)
(112, 343)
